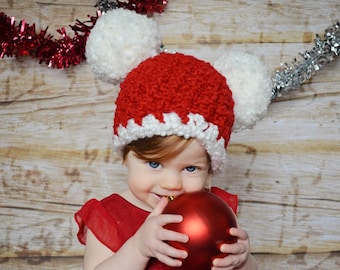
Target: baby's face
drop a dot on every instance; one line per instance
(149, 181)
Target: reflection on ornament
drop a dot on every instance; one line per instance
(206, 220)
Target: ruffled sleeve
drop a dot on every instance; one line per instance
(228, 198)
(112, 220)
(94, 216)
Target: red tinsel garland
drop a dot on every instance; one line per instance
(144, 6)
(22, 39)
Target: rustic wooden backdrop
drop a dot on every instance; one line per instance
(55, 138)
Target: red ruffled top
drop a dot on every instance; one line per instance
(114, 220)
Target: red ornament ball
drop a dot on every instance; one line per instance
(206, 220)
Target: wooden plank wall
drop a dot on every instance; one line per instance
(55, 138)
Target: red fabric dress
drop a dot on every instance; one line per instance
(114, 220)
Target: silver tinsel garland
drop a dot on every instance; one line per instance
(292, 75)
(105, 6)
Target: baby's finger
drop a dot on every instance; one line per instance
(239, 233)
(159, 207)
(233, 248)
(168, 260)
(164, 249)
(228, 262)
(165, 219)
(168, 235)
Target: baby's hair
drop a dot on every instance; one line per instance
(158, 148)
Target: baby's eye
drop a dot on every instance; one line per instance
(190, 168)
(154, 164)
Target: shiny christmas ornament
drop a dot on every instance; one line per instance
(207, 221)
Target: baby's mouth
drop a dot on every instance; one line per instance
(169, 197)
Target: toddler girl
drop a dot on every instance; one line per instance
(173, 119)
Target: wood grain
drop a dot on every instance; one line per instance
(55, 139)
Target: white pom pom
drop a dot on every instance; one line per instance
(250, 82)
(119, 41)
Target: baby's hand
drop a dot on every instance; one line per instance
(151, 235)
(238, 253)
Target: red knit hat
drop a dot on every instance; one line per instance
(175, 94)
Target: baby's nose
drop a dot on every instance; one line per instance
(171, 181)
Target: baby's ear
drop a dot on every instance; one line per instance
(207, 185)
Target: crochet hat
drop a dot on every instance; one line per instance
(175, 94)
(171, 93)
